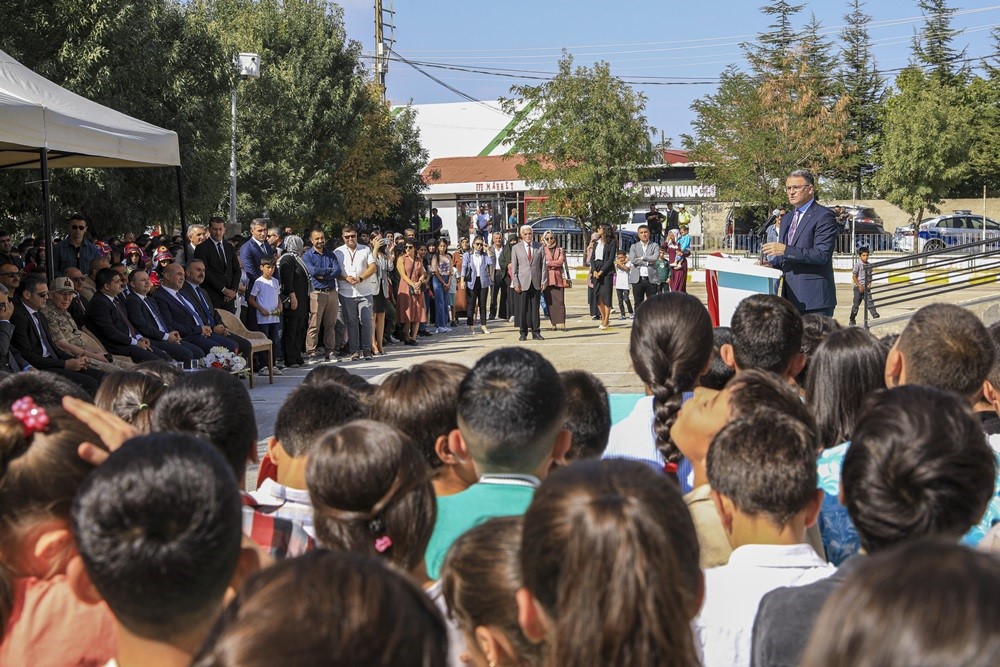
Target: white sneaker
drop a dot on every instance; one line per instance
(444, 329)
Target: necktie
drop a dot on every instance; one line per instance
(222, 253)
(527, 247)
(204, 304)
(795, 225)
(191, 309)
(44, 339)
(156, 314)
(121, 311)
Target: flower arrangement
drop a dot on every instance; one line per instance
(220, 357)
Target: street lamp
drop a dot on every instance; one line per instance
(247, 67)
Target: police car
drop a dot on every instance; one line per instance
(942, 231)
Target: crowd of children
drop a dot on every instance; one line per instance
(788, 493)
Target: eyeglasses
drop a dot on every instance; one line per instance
(11, 274)
(409, 247)
(79, 279)
(350, 236)
(42, 295)
(478, 245)
(78, 228)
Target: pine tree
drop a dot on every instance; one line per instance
(861, 84)
(932, 46)
(769, 55)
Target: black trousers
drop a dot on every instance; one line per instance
(475, 297)
(89, 378)
(293, 339)
(529, 317)
(644, 289)
(869, 303)
(498, 298)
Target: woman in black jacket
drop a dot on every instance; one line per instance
(602, 271)
(295, 300)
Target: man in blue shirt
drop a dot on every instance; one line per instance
(74, 251)
(324, 267)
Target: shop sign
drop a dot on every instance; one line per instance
(667, 191)
(495, 186)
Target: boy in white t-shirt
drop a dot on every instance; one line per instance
(622, 285)
(265, 298)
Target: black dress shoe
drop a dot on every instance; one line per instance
(536, 336)
(523, 337)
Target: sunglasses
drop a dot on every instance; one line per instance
(350, 236)
(78, 228)
(42, 295)
(12, 274)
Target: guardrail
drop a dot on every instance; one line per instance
(900, 280)
(750, 243)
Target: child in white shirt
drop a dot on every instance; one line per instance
(622, 286)
(265, 299)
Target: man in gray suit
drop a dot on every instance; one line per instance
(528, 279)
(642, 275)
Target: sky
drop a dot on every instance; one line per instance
(672, 52)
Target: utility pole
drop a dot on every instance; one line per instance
(384, 18)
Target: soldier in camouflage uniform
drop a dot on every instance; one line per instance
(68, 337)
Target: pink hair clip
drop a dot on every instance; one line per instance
(33, 417)
(383, 543)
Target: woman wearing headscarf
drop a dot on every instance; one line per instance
(295, 288)
(559, 280)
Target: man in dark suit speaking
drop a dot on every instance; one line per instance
(804, 250)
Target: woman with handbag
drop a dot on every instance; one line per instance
(410, 299)
(558, 280)
(476, 273)
(382, 294)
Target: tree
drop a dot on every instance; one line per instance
(587, 139)
(820, 60)
(864, 88)
(926, 144)
(144, 59)
(750, 134)
(768, 54)
(932, 46)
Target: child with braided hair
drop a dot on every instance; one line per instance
(671, 347)
(41, 621)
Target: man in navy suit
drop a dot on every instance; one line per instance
(145, 316)
(222, 270)
(181, 314)
(107, 319)
(804, 250)
(194, 277)
(255, 249)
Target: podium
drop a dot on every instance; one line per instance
(734, 281)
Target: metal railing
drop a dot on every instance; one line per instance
(900, 280)
(750, 243)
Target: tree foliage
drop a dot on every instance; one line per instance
(932, 46)
(926, 144)
(861, 83)
(587, 139)
(170, 63)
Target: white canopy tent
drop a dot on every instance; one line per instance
(43, 125)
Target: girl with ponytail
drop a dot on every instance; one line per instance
(670, 348)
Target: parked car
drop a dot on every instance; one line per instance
(942, 231)
(574, 240)
(554, 223)
(868, 229)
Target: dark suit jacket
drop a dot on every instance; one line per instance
(10, 359)
(218, 276)
(142, 319)
(808, 260)
(105, 322)
(175, 315)
(26, 341)
(192, 291)
(250, 255)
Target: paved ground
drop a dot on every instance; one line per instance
(583, 346)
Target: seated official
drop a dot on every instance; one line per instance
(108, 321)
(182, 316)
(33, 338)
(145, 316)
(194, 276)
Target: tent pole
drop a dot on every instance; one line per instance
(47, 208)
(180, 201)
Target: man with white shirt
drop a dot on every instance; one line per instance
(642, 258)
(252, 252)
(355, 286)
(107, 319)
(181, 314)
(528, 278)
(145, 316)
